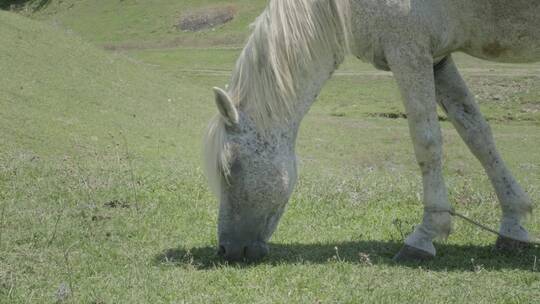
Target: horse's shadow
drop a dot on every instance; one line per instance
(366, 253)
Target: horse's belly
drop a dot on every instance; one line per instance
(506, 31)
(510, 51)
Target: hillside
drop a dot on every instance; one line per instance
(149, 34)
(135, 24)
(60, 90)
(85, 137)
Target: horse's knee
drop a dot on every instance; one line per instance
(428, 151)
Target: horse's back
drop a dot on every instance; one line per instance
(496, 30)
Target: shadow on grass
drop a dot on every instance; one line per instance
(449, 257)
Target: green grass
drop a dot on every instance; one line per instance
(101, 190)
(140, 24)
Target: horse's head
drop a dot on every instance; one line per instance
(253, 177)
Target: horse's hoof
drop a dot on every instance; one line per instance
(505, 244)
(411, 254)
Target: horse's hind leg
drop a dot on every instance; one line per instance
(413, 71)
(456, 100)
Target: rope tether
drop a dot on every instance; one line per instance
(479, 225)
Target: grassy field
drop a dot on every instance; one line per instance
(102, 197)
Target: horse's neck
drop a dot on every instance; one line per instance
(310, 85)
(294, 48)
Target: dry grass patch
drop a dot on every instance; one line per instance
(205, 18)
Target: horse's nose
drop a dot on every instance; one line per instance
(235, 252)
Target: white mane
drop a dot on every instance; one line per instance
(287, 40)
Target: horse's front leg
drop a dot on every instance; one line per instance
(455, 98)
(413, 71)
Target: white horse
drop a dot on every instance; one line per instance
(295, 47)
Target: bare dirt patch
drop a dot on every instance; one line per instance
(201, 19)
(399, 115)
(501, 90)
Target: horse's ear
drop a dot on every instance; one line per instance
(226, 107)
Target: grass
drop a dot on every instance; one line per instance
(134, 24)
(103, 200)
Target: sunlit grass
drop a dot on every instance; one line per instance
(102, 199)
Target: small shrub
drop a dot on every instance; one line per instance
(17, 5)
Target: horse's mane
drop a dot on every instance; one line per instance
(287, 40)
